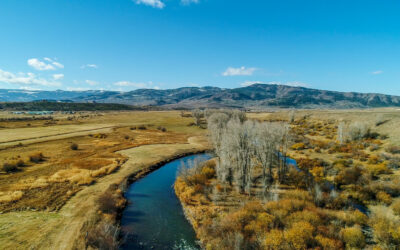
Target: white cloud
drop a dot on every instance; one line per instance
(93, 66)
(25, 79)
(378, 72)
(187, 2)
(153, 3)
(58, 76)
(40, 65)
(91, 83)
(292, 84)
(137, 85)
(77, 89)
(249, 83)
(242, 71)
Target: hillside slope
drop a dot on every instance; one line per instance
(254, 96)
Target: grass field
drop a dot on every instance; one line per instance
(61, 190)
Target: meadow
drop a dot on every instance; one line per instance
(343, 192)
(55, 174)
(63, 178)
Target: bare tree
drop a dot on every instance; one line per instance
(197, 114)
(291, 116)
(340, 132)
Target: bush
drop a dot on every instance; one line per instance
(36, 158)
(162, 129)
(142, 127)
(353, 237)
(274, 239)
(299, 146)
(10, 167)
(393, 149)
(396, 207)
(384, 197)
(107, 203)
(74, 146)
(300, 234)
(208, 172)
(20, 163)
(133, 128)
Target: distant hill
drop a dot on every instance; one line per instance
(62, 106)
(254, 96)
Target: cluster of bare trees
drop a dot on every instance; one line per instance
(242, 146)
(354, 131)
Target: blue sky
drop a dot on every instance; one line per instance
(124, 44)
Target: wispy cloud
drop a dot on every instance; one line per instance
(378, 72)
(91, 83)
(188, 2)
(153, 3)
(249, 83)
(58, 76)
(292, 84)
(42, 66)
(26, 79)
(136, 85)
(242, 71)
(93, 66)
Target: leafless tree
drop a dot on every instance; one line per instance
(291, 116)
(197, 114)
(242, 145)
(340, 132)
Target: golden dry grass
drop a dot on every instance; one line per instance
(69, 181)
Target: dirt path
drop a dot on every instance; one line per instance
(35, 135)
(60, 230)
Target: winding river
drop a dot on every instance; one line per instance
(154, 218)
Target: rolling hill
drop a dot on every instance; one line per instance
(256, 96)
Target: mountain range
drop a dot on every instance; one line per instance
(256, 96)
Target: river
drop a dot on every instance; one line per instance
(154, 218)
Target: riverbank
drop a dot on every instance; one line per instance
(141, 161)
(67, 228)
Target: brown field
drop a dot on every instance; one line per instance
(50, 201)
(297, 215)
(61, 189)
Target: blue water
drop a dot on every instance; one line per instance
(154, 218)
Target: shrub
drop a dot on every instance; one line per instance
(100, 136)
(20, 163)
(393, 149)
(384, 197)
(36, 158)
(208, 172)
(327, 243)
(274, 239)
(162, 129)
(348, 176)
(298, 146)
(107, 203)
(386, 227)
(142, 127)
(396, 207)
(103, 235)
(358, 131)
(74, 146)
(126, 137)
(10, 167)
(132, 128)
(353, 237)
(300, 234)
